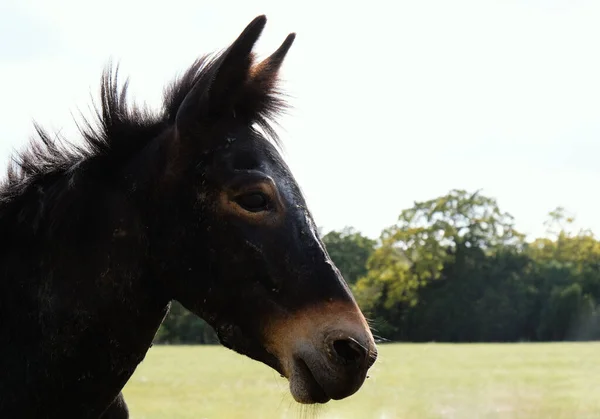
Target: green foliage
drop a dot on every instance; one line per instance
(428, 239)
(183, 327)
(350, 251)
(455, 269)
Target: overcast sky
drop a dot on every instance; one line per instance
(393, 101)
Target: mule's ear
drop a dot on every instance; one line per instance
(261, 95)
(214, 91)
(264, 75)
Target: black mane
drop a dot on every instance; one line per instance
(120, 130)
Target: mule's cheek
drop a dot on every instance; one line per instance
(325, 350)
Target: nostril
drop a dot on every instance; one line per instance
(350, 351)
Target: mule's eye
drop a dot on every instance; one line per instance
(253, 202)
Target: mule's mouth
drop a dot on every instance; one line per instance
(304, 386)
(319, 373)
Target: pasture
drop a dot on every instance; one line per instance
(421, 381)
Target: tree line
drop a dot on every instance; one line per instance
(455, 269)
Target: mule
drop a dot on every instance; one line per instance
(193, 203)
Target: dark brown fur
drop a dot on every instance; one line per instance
(98, 239)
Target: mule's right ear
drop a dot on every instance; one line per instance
(213, 95)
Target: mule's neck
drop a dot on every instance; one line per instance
(78, 298)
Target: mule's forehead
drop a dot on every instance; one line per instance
(259, 152)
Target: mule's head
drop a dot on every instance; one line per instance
(241, 247)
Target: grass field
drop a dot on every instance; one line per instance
(560, 380)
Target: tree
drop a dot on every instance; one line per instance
(568, 271)
(444, 239)
(350, 251)
(183, 327)
(579, 251)
(431, 234)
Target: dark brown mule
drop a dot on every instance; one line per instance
(191, 204)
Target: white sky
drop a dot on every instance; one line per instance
(393, 101)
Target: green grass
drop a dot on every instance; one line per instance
(559, 380)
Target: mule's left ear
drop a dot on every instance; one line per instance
(215, 89)
(264, 75)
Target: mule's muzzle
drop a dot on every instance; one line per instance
(333, 369)
(325, 350)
